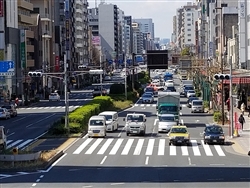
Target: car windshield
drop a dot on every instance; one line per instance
(192, 98)
(96, 122)
(53, 94)
(179, 130)
(191, 91)
(189, 88)
(148, 93)
(149, 89)
(1, 134)
(108, 117)
(166, 118)
(147, 96)
(135, 118)
(7, 107)
(214, 129)
(1, 110)
(197, 103)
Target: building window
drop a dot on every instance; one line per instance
(188, 24)
(188, 19)
(188, 14)
(188, 29)
(189, 35)
(189, 40)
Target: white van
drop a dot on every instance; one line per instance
(97, 126)
(111, 120)
(197, 106)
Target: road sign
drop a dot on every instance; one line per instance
(7, 68)
(129, 61)
(110, 61)
(120, 61)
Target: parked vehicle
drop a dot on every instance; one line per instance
(4, 113)
(12, 110)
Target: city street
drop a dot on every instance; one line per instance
(31, 122)
(136, 161)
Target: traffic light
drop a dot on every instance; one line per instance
(82, 67)
(222, 76)
(35, 74)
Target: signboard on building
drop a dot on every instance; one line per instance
(242, 9)
(67, 34)
(57, 64)
(96, 40)
(1, 8)
(23, 53)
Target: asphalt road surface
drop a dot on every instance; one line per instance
(31, 122)
(135, 161)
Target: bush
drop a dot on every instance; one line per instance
(197, 93)
(217, 116)
(206, 104)
(78, 119)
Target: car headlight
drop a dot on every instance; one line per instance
(186, 137)
(207, 137)
(172, 137)
(222, 137)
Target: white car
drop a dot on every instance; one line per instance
(4, 113)
(54, 97)
(191, 93)
(107, 78)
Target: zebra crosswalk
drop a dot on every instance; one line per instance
(141, 146)
(22, 143)
(152, 105)
(47, 108)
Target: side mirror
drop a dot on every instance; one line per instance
(168, 135)
(180, 107)
(145, 120)
(123, 119)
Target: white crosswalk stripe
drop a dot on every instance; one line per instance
(18, 143)
(47, 108)
(147, 105)
(148, 147)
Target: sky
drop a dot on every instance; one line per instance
(161, 11)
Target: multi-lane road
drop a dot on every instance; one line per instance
(31, 122)
(135, 161)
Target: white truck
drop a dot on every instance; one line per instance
(3, 138)
(135, 124)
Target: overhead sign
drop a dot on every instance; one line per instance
(66, 5)
(7, 68)
(1, 8)
(242, 10)
(110, 61)
(96, 72)
(67, 34)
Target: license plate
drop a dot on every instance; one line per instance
(134, 131)
(96, 134)
(214, 140)
(179, 141)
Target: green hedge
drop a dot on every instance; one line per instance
(217, 116)
(78, 119)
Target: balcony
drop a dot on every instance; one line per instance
(30, 63)
(79, 45)
(29, 34)
(25, 19)
(78, 19)
(30, 48)
(46, 35)
(25, 5)
(45, 17)
(79, 36)
(78, 28)
(79, 11)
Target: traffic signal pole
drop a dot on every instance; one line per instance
(66, 92)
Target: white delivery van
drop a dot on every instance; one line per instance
(97, 126)
(197, 106)
(111, 120)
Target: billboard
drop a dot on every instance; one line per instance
(23, 48)
(157, 59)
(96, 40)
(57, 64)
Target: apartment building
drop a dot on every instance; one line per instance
(121, 36)
(129, 34)
(137, 38)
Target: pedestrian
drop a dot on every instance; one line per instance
(241, 120)
(243, 108)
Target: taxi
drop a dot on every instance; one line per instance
(179, 135)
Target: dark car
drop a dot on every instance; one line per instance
(186, 88)
(213, 134)
(189, 101)
(171, 88)
(11, 109)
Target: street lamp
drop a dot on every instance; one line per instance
(222, 64)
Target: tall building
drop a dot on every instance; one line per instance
(137, 38)
(179, 27)
(122, 35)
(129, 34)
(104, 23)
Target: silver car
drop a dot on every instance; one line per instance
(4, 113)
(165, 122)
(147, 98)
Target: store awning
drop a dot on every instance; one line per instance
(242, 80)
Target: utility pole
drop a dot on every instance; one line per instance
(125, 81)
(231, 113)
(133, 71)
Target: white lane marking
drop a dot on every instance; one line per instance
(116, 146)
(25, 143)
(142, 105)
(5, 175)
(136, 104)
(46, 107)
(116, 183)
(105, 146)
(195, 148)
(172, 150)
(189, 161)
(40, 108)
(154, 105)
(44, 118)
(219, 150)
(14, 144)
(10, 134)
(180, 113)
(19, 119)
(82, 146)
(8, 141)
(161, 148)
(150, 147)
(146, 162)
(155, 122)
(184, 150)
(148, 105)
(138, 147)
(206, 148)
(182, 122)
(29, 125)
(103, 160)
(34, 184)
(71, 106)
(127, 147)
(58, 107)
(94, 146)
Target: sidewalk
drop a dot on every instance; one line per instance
(242, 143)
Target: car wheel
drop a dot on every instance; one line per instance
(205, 142)
(169, 143)
(127, 134)
(222, 143)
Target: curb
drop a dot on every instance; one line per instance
(237, 148)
